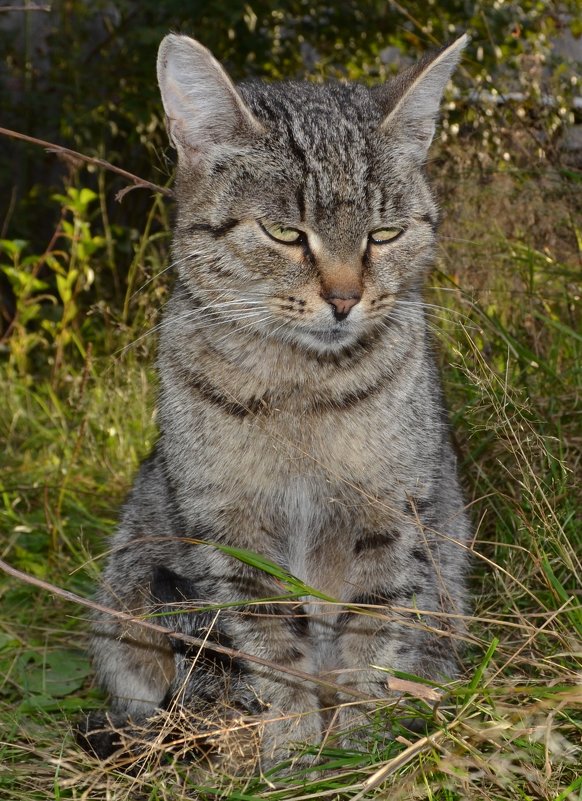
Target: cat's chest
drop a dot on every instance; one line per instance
(300, 465)
(311, 521)
(303, 464)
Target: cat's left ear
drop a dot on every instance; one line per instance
(206, 116)
(413, 98)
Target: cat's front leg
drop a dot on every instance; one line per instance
(278, 706)
(279, 633)
(386, 633)
(375, 645)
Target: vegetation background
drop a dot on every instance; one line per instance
(83, 276)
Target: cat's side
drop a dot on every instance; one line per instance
(301, 415)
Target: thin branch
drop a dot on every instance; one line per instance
(377, 778)
(138, 183)
(177, 635)
(25, 8)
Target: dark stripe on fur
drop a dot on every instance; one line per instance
(294, 616)
(421, 555)
(295, 147)
(383, 597)
(429, 220)
(254, 406)
(379, 539)
(348, 400)
(300, 197)
(174, 593)
(212, 394)
(422, 509)
(216, 231)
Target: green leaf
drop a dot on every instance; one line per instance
(565, 794)
(22, 282)
(86, 196)
(478, 675)
(559, 326)
(64, 288)
(61, 673)
(7, 641)
(13, 246)
(55, 264)
(272, 569)
(48, 703)
(574, 614)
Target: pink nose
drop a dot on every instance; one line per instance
(342, 305)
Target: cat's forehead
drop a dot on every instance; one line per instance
(324, 135)
(318, 114)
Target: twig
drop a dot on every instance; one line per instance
(398, 761)
(177, 635)
(138, 183)
(25, 8)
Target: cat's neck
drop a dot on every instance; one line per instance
(241, 363)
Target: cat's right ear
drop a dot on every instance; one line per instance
(206, 116)
(412, 101)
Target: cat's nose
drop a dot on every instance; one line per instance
(342, 303)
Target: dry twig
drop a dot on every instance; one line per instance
(138, 183)
(177, 635)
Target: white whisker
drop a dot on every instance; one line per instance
(191, 314)
(157, 275)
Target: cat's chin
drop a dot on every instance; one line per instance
(329, 340)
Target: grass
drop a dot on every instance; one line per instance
(508, 289)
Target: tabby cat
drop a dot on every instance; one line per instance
(300, 412)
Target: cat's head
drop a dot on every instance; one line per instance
(303, 209)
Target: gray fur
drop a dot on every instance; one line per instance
(315, 439)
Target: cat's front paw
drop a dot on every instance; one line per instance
(359, 727)
(290, 736)
(242, 744)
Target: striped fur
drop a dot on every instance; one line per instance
(311, 433)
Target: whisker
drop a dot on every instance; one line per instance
(157, 275)
(207, 325)
(429, 317)
(212, 308)
(426, 307)
(228, 334)
(240, 314)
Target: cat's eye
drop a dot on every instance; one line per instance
(381, 236)
(284, 234)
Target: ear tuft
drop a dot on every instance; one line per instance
(414, 98)
(205, 114)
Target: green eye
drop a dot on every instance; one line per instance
(281, 233)
(383, 235)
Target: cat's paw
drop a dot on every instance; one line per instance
(100, 733)
(357, 727)
(290, 737)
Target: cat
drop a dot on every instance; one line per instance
(300, 412)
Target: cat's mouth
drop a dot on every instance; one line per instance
(334, 338)
(336, 334)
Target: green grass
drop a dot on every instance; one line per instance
(508, 288)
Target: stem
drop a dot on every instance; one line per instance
(137, 182)
(177, 635)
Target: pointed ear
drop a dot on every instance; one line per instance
(413, 99)
(206, 116)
